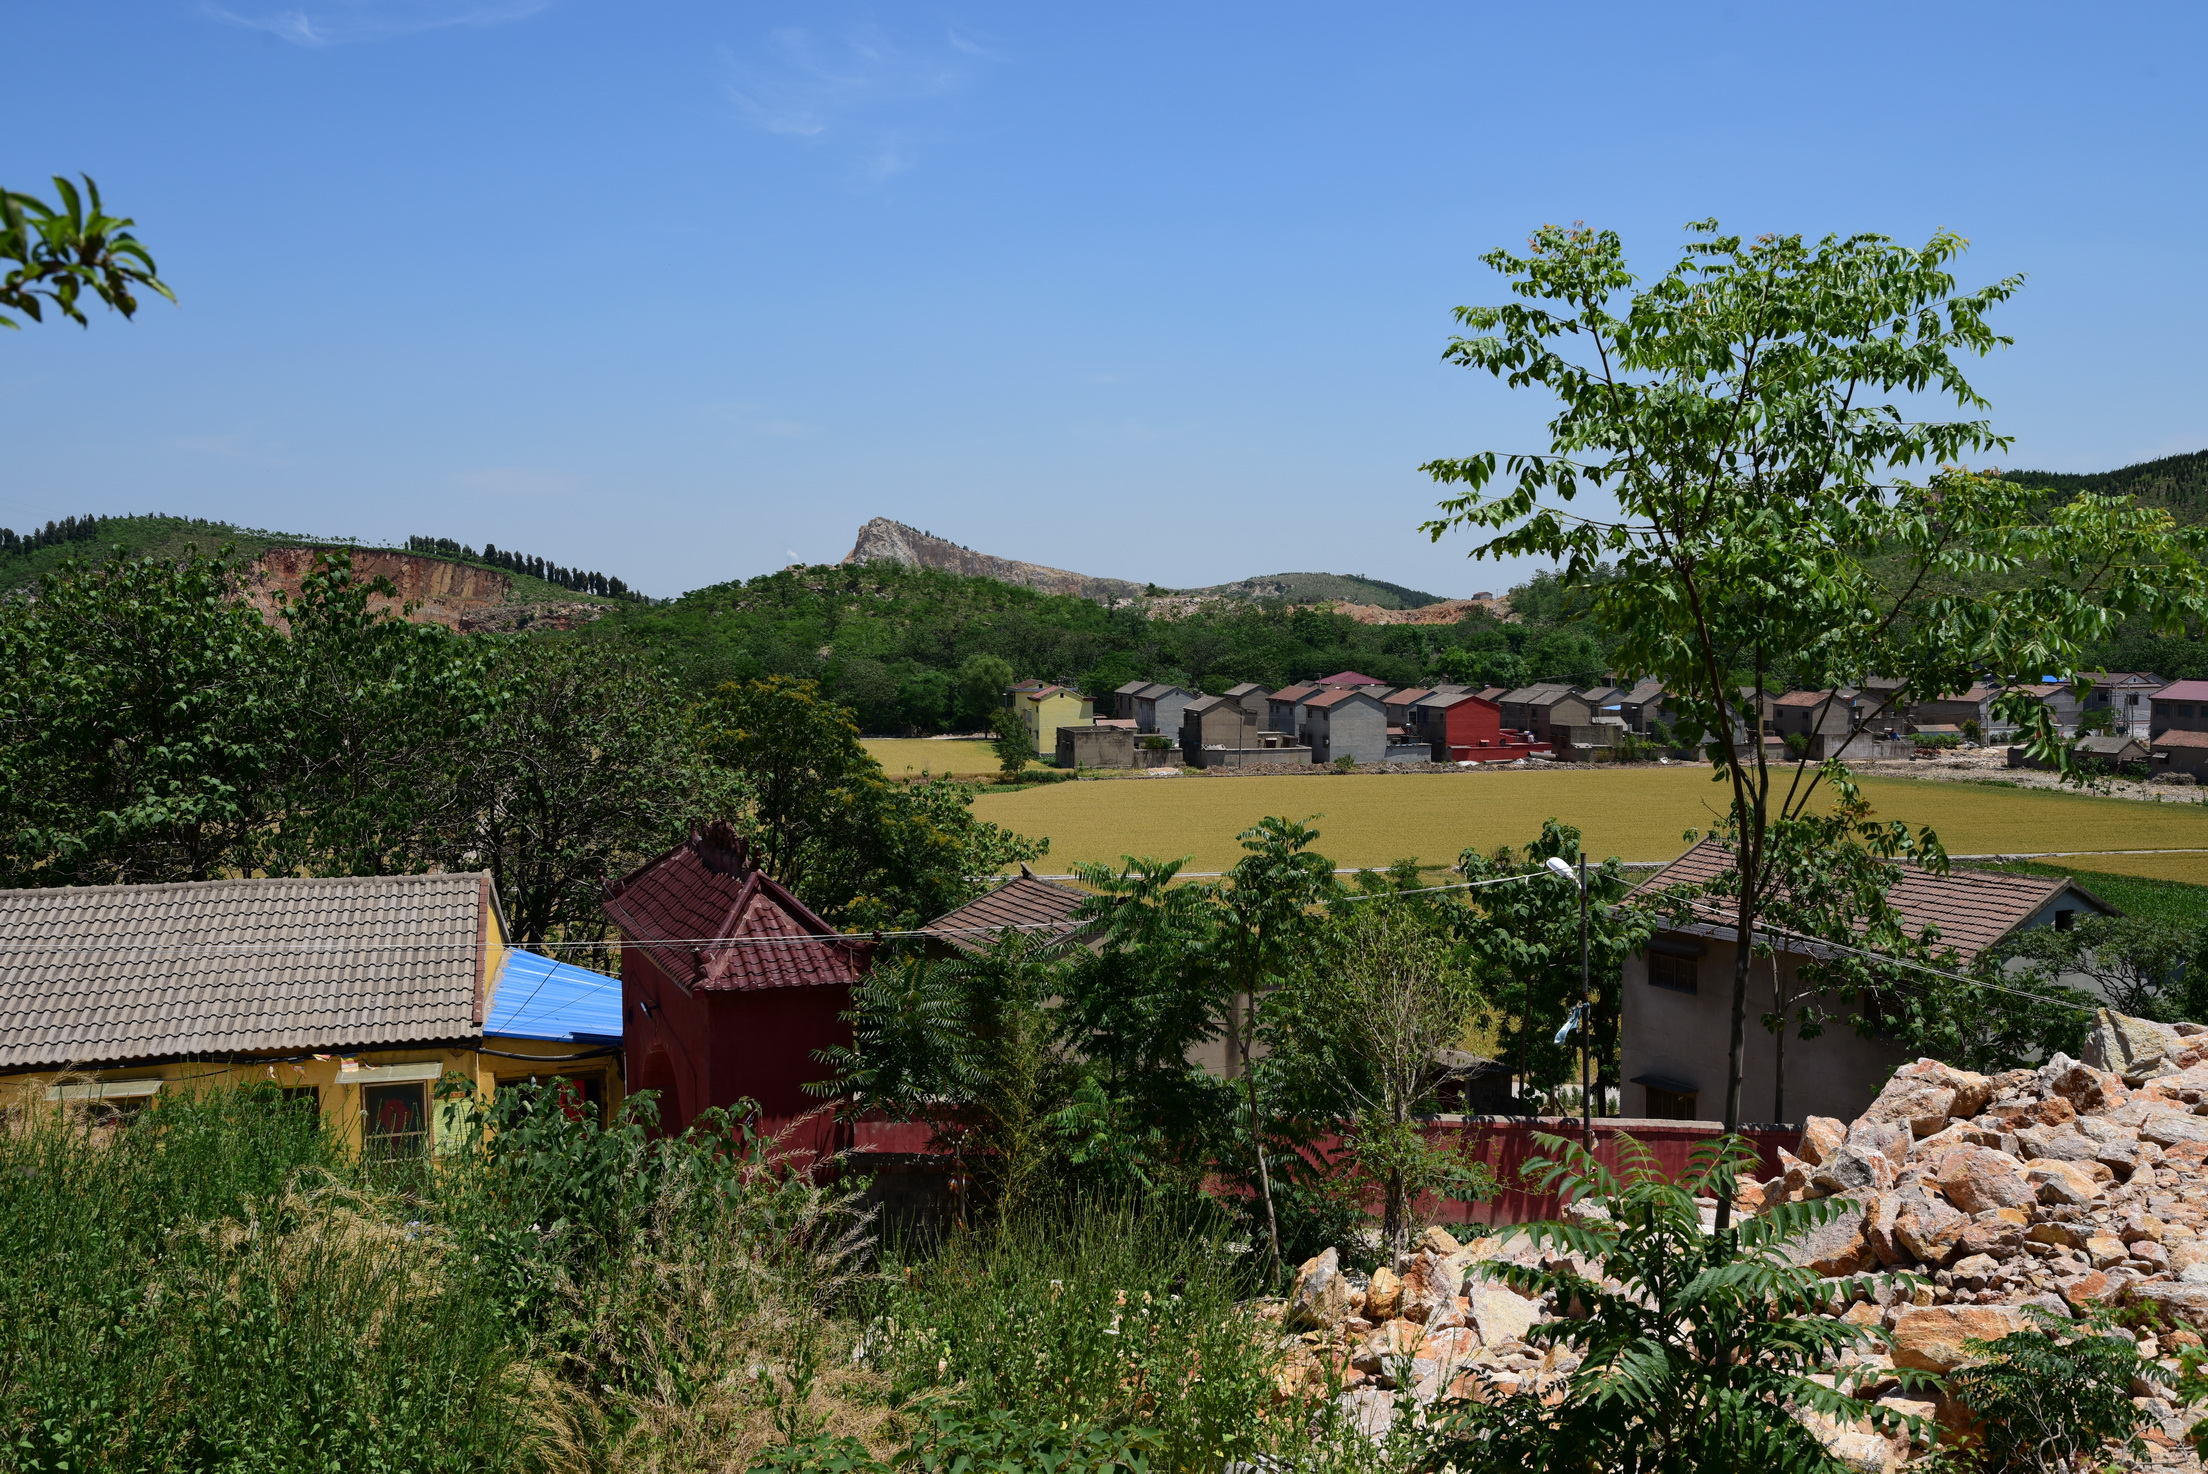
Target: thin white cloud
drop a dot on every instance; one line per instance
(236, 445)
(343, 22)
(517, 481)
(874, 98)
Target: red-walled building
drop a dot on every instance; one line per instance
(1467, 728)
(729, 984)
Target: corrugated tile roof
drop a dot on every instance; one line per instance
(93, 975)
(2182, 739)
(1025, 901)
(1337, 697)
(2183, 691)
(1973, 909)
(1349, 678)
(692, 908)
(541, 998)
(1297, 692)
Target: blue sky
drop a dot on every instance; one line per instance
(682, 290)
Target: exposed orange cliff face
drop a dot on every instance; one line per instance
(456, 595)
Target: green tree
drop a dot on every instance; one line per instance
(978, 690)
(56, 254)
(825, 821)
(1013, 744)
(1740, 412)
(1698, 1347)
(589, 765)
(144, 734)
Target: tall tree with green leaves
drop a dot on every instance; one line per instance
(58, 254)
(1744, 424)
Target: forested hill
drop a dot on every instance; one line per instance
(26, 557)
(919, 649)
(2178, 482)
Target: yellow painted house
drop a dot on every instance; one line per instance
(1045, 708)
(370, 997)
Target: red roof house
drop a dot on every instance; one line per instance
(1348, 678)
(1463, 728)
(729, 983)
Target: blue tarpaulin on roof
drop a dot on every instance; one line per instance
(541, 998)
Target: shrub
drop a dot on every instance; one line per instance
(1935, 741)
(2051, 1397)
(1698, 1359)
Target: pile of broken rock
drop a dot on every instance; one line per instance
(2075, 1186)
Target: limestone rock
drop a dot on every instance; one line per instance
(1430, 1281)
(1320, 1299)
(1837, 1247)
(1498, 1316)
(2179, 1302)
(1439, 1241)
(1930, 1338)
(2131, 1047)
(1384, 1295)
(1978, 1178)
(2066, 1182)
(1855, 1171)
(1821, 1137)
(2170, 1128)
(1927, 1226)
(2090, 1091)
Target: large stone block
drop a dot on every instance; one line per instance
(1926, 1227)
(1978, 1178)
(1320, 1299)
(2131, 1047)
(1838, 1247)
(1931, 1338)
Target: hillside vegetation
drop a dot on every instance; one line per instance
(2178, 482)
(1320, 588)
(155, 535)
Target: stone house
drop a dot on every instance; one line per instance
(1677, 994)
(353, 997)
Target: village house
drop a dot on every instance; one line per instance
(1123, 700)
(1518, 706)
(1968, 711)
(1464, 728)
(1158, 707)
(1285, 707)
(1640, 707)
(1352, 680)
(1254, 699)
(1101, 744)
(360, 998)
(1044, 708)
(729, 985)
(2061, 700)
(1677, 994)
(1217, 731)
(2127, 698)
(1399, 704)
(1344, 722)
(2181, 751)
(2179, 707)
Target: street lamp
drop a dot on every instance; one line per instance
(1559, 866)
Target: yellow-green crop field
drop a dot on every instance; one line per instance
(902, 757)
(1635, 814)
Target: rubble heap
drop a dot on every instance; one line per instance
(2074, 1186)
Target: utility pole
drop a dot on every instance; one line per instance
(1582, 1017)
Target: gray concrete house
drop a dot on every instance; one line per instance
(1518, 703)
(1285, 707)
(1678, 994)
(1638, 706)
(2127, 696)
(2062, 701)
(1158, 708)
(1123, 700)
(1254, 699)
(1216, 732)
(1103, 745)
(2178, 751)
(1974, 705)
(1345, 723)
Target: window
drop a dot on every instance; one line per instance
(397, 1119)
(1670, 1105)
(2065, 920)
(1679, 974)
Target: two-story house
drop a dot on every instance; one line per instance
(1044, 708)
(1285, 707)
(2126, 696)
(1158, 708)
(2180, 729)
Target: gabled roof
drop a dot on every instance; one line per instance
(1349, 678)
(1246, 688)
(2182, 739)
(1642, 691)
(1443, 700)
(2183, 691)
(1129, 689)
(1810, 699)
(1596, 695)
(2107, 744)
(1296, 693)
(1539, 691)
(1203, 704)
(1979, 691)
(1042, 908)
(2126, 678)
(1491, 693)
(1972, 909)
(1157, 690)
(1039, 692)
(1408, 695)
(539, 998)
(1336, 699)
(713, 921)
(107, 974)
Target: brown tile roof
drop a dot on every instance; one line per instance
(2182, 691)
(1246, 688)
(696, 909)
(1349, 678)
(97, 975)
(1972, 909)
(1043, 907)
(1296, 692)
(1336, 698)
(1806, 698)
(2182, 739)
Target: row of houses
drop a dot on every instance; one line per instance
(370, 999)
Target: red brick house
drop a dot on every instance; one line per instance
(1467, 728)
(729, 983)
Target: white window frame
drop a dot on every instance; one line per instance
(106, 1090)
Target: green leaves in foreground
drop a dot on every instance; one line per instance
(1696, 1361)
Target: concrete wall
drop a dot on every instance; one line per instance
(1353, 729)
(1685, 1037)
(1244, 757)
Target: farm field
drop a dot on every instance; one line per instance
(1637, 814)
(902, 757)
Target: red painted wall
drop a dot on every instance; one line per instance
(713, 1048)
